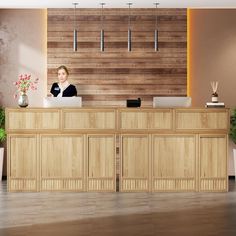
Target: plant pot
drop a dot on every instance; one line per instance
(1, 162)
(234, 150)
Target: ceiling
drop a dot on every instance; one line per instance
(118, 3)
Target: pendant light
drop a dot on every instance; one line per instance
(156, 31)
(75, 46)
(129, 30)
(102, 30)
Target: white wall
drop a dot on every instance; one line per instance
(23, 49)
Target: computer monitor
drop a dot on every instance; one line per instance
(62, 102)
(172, 101)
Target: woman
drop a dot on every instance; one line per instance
(63, 88)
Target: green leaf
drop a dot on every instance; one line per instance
(232, 132)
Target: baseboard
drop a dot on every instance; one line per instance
(231, 177)
(117, 180)
(4, 178)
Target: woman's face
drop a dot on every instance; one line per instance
(62, 75)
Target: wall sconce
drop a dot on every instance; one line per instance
(75, 45)
(102, 30)
(156, 31)
(129, 30)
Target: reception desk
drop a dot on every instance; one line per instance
(145, 149)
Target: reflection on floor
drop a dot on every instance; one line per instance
(123, 214)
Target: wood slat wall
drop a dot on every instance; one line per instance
(112, 76)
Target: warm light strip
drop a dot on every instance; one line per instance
(188, 52)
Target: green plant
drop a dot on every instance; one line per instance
(2, 125)
(232, 133)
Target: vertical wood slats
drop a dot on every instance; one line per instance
(112, 76)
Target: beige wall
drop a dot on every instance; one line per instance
(23, 35)
(213, 57)
(212, 48)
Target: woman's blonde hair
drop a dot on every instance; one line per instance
(64, 68)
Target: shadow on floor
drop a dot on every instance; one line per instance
(219, 220)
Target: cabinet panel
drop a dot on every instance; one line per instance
(135, 163)
(101, 163)
(33, 120)
(145, 119)
(202, 120)
(174, 163)
(22, 163)
(89, 119)
(161, 120)
(213, 163)
(62, 163)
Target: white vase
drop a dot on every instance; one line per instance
(1, 162)
(23, 100)
(234, 150)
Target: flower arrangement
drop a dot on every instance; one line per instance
(24, 83)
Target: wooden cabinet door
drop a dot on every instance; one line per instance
(134, 163)
(62, 163)
(174, 163)
(22, 163)
(213, 163)
(101, 162)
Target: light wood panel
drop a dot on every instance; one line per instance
(213, 163)
(116, 74)
(147, 119)
(174, 163)
(84, 119)
(135, 163)
(101, 163)
(202, 119)
(22, 163)
(149, 149)
(62, 163)
(33, 119)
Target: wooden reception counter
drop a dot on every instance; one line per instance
(147, 149)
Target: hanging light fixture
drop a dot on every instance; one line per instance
(102, 30)
(129, 30)
(156, 31)
(75, 46)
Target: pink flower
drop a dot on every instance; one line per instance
(24, 83)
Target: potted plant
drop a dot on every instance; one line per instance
(233, 134)
(2, 138)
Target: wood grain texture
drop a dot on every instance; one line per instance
(149, 149)
(62, 167)
(145, 119)
(35, 119)
(112, 76)
(101, 163)
(135, 159)
(136, 214)
(213, 162)
(202, 119)
(22, 163)
(89, 119)
(174, 163)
